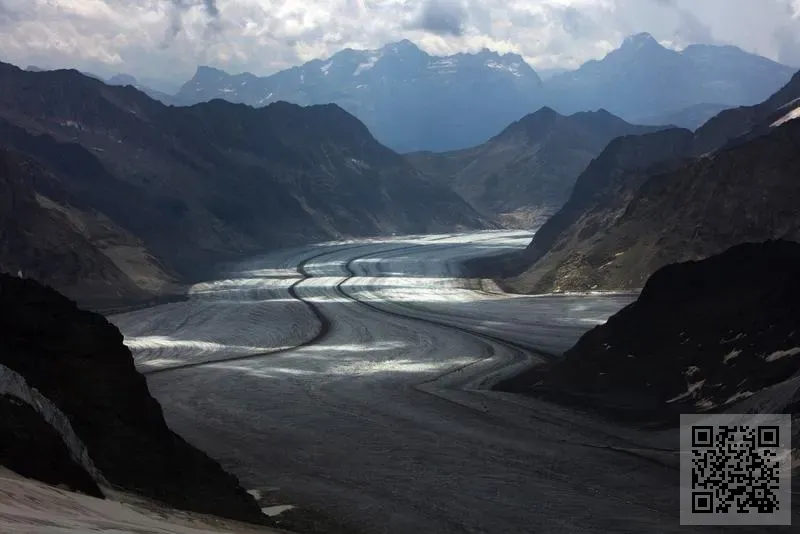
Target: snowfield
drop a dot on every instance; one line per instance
(31, 507)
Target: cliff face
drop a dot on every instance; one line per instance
(701, 336)
(33, 448)
(77, 360)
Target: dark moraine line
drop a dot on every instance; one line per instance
(324, 329)
(519, 351)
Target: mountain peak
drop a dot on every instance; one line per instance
(205, 72)
(401, 46)
(638, 41)
(122, 79)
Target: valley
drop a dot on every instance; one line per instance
(401, 286)
(398, 367)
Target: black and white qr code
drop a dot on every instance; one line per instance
(735, 469)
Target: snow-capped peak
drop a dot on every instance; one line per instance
(638, 41)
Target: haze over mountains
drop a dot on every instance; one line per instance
(531, 166)
(413, 101)
(408, 99)
(642, 79)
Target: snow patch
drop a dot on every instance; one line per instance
(513, 68)
(704, 404)
(72, 124)
(731, 355)
(326, 67)
(739, 396)
(367, 65)
(273, 511)
(265, 98)
(445, 63)
(794, 114)
(31, 506)
(690, 391)
(732, 339)
(777, 355)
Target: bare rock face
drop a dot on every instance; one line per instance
(77, 360)
(34, 449)
(701, 336)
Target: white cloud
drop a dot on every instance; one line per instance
(168, 38)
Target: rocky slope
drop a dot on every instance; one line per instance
(748, 122)
(702, 336)
(76, 360)
(408, 99)
(212, 181)
(531, 165)
(648, 201)
(79, 251)
(34, 449)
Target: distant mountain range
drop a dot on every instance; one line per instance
(129, 194)
(530, 167)
(408, 99)
(643, 79)
(412, 101)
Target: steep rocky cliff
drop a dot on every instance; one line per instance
(76, 360)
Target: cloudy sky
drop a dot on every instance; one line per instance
(167, 39)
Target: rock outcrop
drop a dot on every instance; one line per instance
(76, 360)
(701, 337)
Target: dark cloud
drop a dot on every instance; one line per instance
(210, 6)
(442, 17)
(576, 22)
(180, 7)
